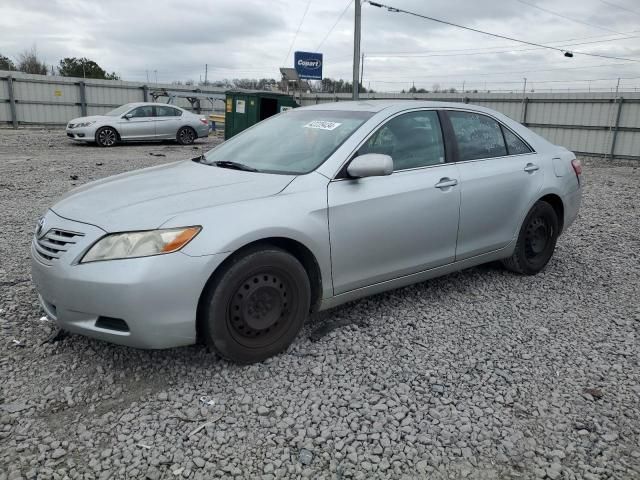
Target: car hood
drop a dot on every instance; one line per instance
(147, 198)
(92, 118)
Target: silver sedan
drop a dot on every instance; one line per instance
(302, 212)
(139, 122)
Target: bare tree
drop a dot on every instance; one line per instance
(29, 62)
(6, 63)
(436, 88)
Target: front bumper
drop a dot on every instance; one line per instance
(156, 297)
(84, 134)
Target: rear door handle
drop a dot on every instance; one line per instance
(531, 168)
(446, 182)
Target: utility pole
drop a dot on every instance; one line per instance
(463, 82)
(361, 70)
(356, 48)
(156, 72)
(147, 71)
(206, 68)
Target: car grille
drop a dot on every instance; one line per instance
(55, 242)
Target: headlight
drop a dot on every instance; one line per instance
(83, 124)
(140, 244)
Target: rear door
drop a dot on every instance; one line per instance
(500, 177)
(141, 125)
(168, 121)
(387, 227)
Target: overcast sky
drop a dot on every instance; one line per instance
(251, 38)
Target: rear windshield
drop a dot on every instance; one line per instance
(293, 142)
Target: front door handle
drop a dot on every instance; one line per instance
(530, 168)
(446, 182)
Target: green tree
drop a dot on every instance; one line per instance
(6, 63)
(84, 68)
(29, 62)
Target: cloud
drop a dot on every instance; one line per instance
(250, 38)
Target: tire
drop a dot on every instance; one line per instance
(256, 305)
(186, 136)
(536, 240)
(106, 137)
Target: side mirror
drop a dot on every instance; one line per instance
(370, 165)
(128, 116)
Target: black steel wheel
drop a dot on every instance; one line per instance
(106, 137)
(256, 305)
(186, 136)
(536, 241)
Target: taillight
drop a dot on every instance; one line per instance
(204, 121)
(577, 166)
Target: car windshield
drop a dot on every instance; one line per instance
(118, 111)
(293, 142)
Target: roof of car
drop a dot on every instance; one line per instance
(141, 104)
(379, 105)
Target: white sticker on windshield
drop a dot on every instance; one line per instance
(322, 125)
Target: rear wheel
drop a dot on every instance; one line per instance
(536, 241)
(106, 137)
(256, 305)
(186, 136)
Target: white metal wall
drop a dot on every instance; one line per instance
(589, 123)
(52, 100)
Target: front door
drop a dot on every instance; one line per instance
(140, 126)
(383, 228)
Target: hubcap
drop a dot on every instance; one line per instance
(186, 135)
(259, 308)
(107, 137)
(538, 237)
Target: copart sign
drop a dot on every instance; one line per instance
(308, 65)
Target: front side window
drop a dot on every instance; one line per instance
(292, 142)
(515, 146)
(478, 136)
(412, 140)
(164, 111)
(141, 112)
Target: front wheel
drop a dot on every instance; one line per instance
(536, 241)
(256, 305)
(186, 136)
(106, 137)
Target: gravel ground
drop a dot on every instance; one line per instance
(479, 374)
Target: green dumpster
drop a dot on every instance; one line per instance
(247, 107)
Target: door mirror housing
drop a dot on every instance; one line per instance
(128, 116)
(370, 165)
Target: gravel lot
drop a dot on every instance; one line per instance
(480, 374)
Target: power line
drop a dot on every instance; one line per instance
(533, 70)
(418, 55)
(566, 17)
(567, 53)
(620, 7)
(504, 82)
(297, 32)
(335, 24)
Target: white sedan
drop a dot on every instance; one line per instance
(139, 122)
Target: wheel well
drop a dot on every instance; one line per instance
(556, 202)
(293, 247)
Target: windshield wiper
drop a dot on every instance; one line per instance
(235, 166)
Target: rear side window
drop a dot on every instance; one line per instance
(162, 111)
(412, 140)
(478, 136)
(515, 146)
